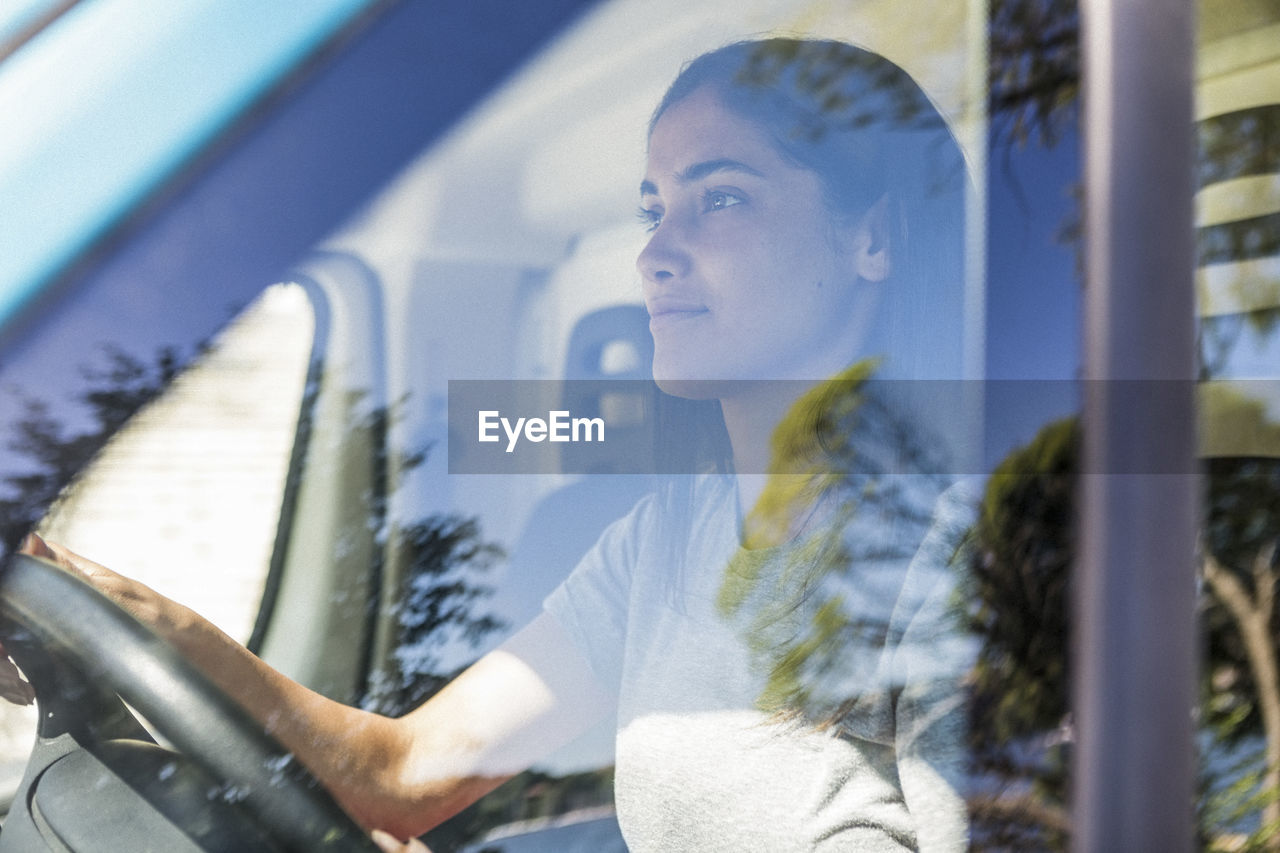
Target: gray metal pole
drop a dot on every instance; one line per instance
(1135, 652)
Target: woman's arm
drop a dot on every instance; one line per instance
(404, 775)
(388, 843)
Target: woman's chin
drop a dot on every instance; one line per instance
(702, 387)
(687, 387)
(702, 375)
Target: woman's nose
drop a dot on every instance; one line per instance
(665, 257)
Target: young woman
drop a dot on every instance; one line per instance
(758, 633)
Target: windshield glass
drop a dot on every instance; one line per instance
(764, 389)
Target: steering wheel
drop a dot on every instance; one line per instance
(94, 768)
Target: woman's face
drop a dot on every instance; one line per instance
(746, 275)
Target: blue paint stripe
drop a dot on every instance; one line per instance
(107, 102)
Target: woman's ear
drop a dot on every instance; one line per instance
(872, 248)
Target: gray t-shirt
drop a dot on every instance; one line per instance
(703, 763)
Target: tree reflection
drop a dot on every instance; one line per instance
(1240, 705)
(1034, 70)
(848, 501)
(842, 590)
(443, 555)
(1020, 574)
(1017, 605)
(438, 601)
(55, 449)
(1021, 727)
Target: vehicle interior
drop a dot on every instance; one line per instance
(237, 380)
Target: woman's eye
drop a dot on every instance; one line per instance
(719, 200)
(651, 219)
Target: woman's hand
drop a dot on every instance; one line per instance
(13, 687)
(138, 600)
(404, 775)
(388, 842)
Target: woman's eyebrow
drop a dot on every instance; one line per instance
(723, 164)
(701, 170)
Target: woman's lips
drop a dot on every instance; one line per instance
(668, 313)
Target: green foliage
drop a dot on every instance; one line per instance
(1229, 798)
(1016, 603)
(1235, 424)
(833, 482)
(1018, 597)
(1242, 521)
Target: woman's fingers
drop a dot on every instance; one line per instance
(388, 842)
(13, 687)
(37, 547)
(137, 599)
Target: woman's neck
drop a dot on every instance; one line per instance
(751, 419)
(771, 418)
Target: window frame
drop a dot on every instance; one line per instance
(1135, 645)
